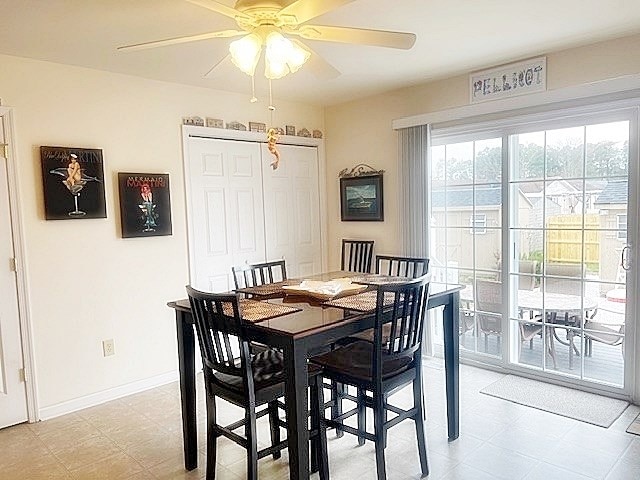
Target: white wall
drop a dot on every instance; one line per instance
(86, 283)
(360, 131)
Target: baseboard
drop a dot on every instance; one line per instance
(98, 398)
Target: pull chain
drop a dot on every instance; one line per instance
(271, 107)
(253, 90)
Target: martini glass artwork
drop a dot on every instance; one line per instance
(148, 211)
(74, 184)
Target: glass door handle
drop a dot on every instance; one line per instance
(624, 261)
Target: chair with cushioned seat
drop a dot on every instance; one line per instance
(383, 368)
(247, 380)
(410, 267)
(356, 255)
(258, 274)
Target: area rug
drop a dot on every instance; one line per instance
(583, 406)
(635, 426)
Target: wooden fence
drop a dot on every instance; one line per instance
(564, 239)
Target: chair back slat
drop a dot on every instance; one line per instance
(406, 317)
(220, 332)
(259, 274)
(356, 255)
(410, 267)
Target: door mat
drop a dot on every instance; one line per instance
(634, 427)
(583, 406)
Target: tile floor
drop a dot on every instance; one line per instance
(139, 438)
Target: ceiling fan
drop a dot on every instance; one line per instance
(265, 22)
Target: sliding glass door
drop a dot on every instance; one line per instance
(569, 192)
(466, 232)
(532, 218)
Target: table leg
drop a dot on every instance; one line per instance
(296, 383)
(451, 316)
(186, 362)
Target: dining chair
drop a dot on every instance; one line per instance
(253, 275)
(233, 373)
(410, 267)
(356, 255)
(382, 368)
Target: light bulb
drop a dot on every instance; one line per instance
(245, 53)
(282, 56)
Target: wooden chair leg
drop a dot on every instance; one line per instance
(252, 443)
(321, 452)
(362, 415)
(378, 420)
(212, 438)
(274, 427)
(418, 402)
(314, 385)
(337, 391)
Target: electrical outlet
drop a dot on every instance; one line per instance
(108, 348)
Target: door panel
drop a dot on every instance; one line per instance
(13, 400)
(226, 224)
(292, 209)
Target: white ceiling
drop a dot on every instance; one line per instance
(454, 36)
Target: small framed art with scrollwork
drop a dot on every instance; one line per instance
(361, 194)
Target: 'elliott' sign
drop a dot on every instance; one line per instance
(509, 80)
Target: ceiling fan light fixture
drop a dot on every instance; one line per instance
(245, 53)
(282, 56)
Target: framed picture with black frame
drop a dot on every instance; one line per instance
(361, 198)
(73, 180)
(145, 205)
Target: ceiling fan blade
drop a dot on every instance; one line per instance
(188, 38)
(219, 8)
(305, 10)
(319, 66)
(362, 36)
(211, 70)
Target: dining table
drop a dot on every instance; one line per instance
(311, 324)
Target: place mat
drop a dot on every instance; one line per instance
(576, 404)
(362, 302)
(255, 311)
(377, 279)
(268, 288)
(634, 427)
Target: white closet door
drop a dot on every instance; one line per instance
(226, 222)
(292, 209)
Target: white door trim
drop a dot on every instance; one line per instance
(24, 312)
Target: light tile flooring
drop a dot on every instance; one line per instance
(139, 438)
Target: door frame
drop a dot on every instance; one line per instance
(555, 114)
(189, 131)
(17, 226)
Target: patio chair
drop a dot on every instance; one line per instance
(488, 300)
(566, 279)
(527, 270)
(599, 332)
